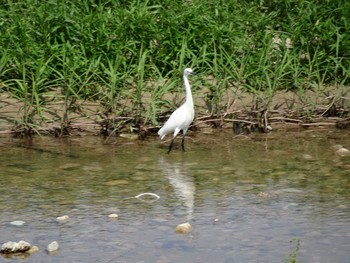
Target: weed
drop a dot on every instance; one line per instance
(292, 258)
(110, 52)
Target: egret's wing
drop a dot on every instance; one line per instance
(180, 119)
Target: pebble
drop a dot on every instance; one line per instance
(14, 247)
(264, 195)
(342, 152)
(33, 249)
(17, 223)
(53, 246)
(307, 157)
(62, 219)
(183, 228)
(113, 216)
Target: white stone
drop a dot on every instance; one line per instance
(183, 228)
(62, 219)
(17, 223)
(113, 216)
(342, 152)
(33, 249)
(14, 247)
(53, 246)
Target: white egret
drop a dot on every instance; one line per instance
(182, 117)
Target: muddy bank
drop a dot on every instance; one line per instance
(241, 111)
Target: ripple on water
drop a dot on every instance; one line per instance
(262, 192)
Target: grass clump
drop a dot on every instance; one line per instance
(117, 53)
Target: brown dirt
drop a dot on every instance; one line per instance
(327, 107)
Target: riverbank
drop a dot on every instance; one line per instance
(242, 111)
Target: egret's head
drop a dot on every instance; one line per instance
(188, 71)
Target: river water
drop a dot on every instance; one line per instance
(248, 198)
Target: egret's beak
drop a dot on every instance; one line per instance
(194, 73)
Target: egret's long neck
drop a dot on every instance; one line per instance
(188, 91)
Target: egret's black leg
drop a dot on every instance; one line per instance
(171, 145)
(183, 142)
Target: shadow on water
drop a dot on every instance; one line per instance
(246, 197)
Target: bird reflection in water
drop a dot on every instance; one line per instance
(181, 181)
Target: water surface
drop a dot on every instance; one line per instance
(246, 197)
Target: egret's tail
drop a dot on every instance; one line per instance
(161, 133)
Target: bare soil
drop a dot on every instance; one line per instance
(244, 112)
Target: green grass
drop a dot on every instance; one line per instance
(292, 258)
(112, 51)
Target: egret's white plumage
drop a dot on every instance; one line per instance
(182, 117)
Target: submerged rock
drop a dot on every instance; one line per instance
(14, 247)
(263, 195)
(52, 247)
(113, 216)
(307, 157)
(17, 223)
(183, 228)
(62, 219)
(342, 152)
(33, 249)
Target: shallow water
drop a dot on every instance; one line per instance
(247, 198)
